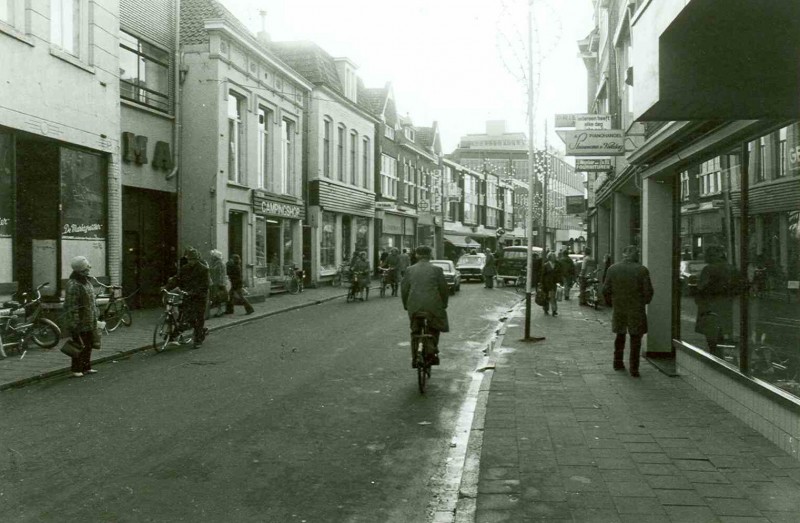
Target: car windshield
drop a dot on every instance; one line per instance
(471, 260)
(444, 265)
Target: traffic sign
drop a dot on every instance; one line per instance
(500, 231)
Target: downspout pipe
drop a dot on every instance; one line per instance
(176, 81)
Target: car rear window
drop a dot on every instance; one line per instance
(470, 260)
(515, 254)
(445, 266)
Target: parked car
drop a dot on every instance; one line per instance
(451, 274)
(688, 274)
(471, 266)
(577, 259)
(513, 262)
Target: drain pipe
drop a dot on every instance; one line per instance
(179, 75)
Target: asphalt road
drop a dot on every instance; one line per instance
(312, 415)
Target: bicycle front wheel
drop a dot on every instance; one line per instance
(383, 289)
(293, 286)
(45, 334)
(163, 333)
(112, 317)
(125, 315)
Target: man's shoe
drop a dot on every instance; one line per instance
(619, 366)
(435, 359)
(197, 344)
(248, 313)
(77, 374)
(91, 371)
(555, 313)
(635, 374)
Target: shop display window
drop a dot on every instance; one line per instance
(327, 244)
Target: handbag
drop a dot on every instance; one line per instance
(541, 297)
(72, 348)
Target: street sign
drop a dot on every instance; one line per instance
(500, 231)
(423, 205)
(593, 165)
(595, 143)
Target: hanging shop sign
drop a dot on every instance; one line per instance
(576, 204)
(595, 143)
(268, 207)
(583, 122)
(593, 165)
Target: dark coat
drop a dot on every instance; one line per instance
(424, 289)
(489, 266)
(403, 261)
(628, 289)
(716, 287)
(194, 278)
(551, 275)
(234, 271)
(361, 267)
(536, 270)
(567, 268)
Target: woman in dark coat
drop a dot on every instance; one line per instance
(717, 285)
(489, 270)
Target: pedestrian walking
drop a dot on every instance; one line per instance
(717, 286)
(551, 275)
(403, 263)
(236, 295)
(218, 295)
(567, 267)
(588, 270)
(489, 270)
(628, 290)
(81, 315)
(391, 262)
(193, 278)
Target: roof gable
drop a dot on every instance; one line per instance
(311, 61)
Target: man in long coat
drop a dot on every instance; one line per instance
(628, 290)
(489, 270)
(717, 286)
(424, 290)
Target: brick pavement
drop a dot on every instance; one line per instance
(567, 438)
(36, 364)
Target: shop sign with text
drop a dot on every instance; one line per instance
(267, 207)
(595, 143)
(593, 165)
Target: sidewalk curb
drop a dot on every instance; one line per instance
(129, 352)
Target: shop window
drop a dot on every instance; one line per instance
(288, 244)
(264, 146)
(236, 138)
(327, 247)
(6, 209)
(362, 233)
(261, 247)
(143, 72)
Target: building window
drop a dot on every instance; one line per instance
(353, 156)
(287, 156)
(327, 247)
(388, 176)
(264, 146)
(65, 25)
(340, 153)
(409, 132)
(781, 171)
(364, 182)
(326, 147)
(761, 170)
(143, 72)
(235, 138)
(388, 131)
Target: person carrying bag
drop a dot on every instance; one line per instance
(81, 318)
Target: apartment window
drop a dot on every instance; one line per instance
(340, 153)
(143, 72)
(364, 181)
(684, 185)
(287, 156)
(761, 171)
(388, 131)
(326, 147)
(353, 156)
(388, 176)
(264, 145)
(235, 138)
(409, 132)
(781, 171)
(65, 24)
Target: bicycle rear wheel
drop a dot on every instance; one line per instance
(112, 317)
(163, 333)
(422, 371)
(45, 333)
(293, 286)
(125, 315)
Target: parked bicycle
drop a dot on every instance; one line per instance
(172, 323)
(424, 350)
(113, 307)
(593, 294)
(295, 282)
(21, 322)
(521, 283)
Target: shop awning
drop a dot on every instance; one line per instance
(461, 241)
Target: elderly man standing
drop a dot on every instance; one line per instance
(628, 290)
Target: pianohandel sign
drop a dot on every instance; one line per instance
(595, 143)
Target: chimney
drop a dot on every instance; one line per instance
(263, 35)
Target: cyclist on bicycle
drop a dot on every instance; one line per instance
(193, 278)
(424, 290)
(391, 263)
(360, 267)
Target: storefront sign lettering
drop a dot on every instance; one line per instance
(71, 228)
(595, 143)
(280, 209)
(134, 150)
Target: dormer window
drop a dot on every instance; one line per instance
(388, 131)
(409, 133)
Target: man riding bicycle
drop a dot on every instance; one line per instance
(391, 263)
(424, 291)
(193, 278)
(360, 267)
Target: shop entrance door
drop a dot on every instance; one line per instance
(236, 235)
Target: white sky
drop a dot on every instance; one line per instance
(445, 58)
